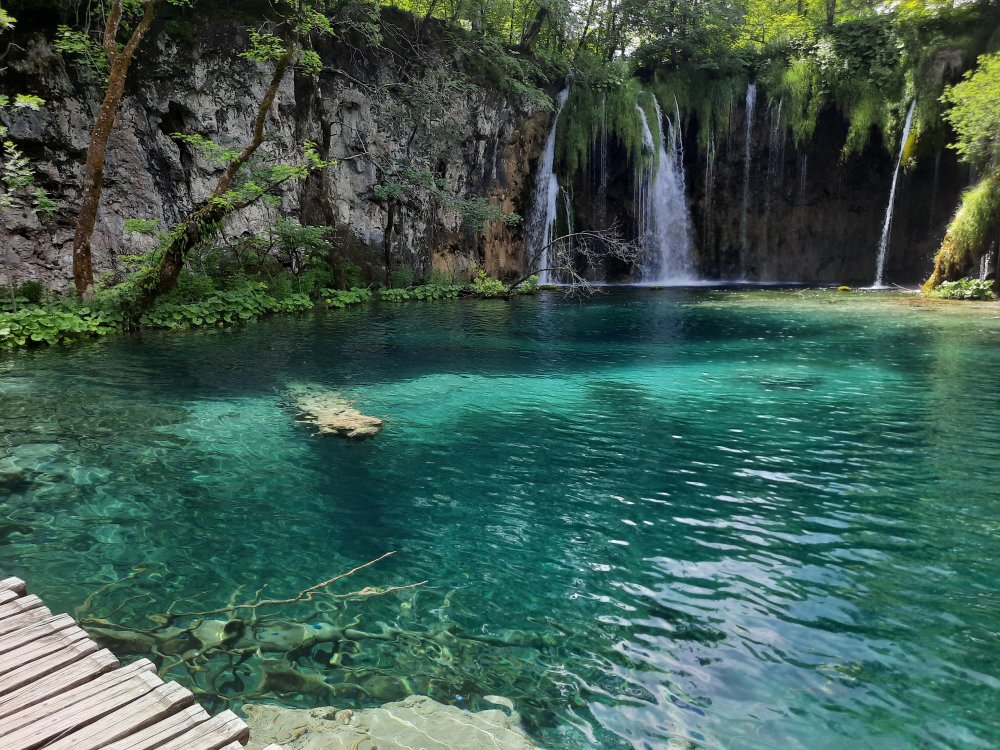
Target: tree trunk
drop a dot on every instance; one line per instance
(93, 172)
(197, 224)
(529, 37)
(390, 221)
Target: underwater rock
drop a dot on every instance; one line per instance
(332, 414)
(417, 721)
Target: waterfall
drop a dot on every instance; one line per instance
(542, 216)
(602, 165)
(568, 211)
(751, 105)
(664, 223)
(883, 245)
(984, 265)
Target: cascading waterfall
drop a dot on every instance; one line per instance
(568, 212)
(602, 165)
(663, 220)
(751, 105)
(542, 216)
(883, 245)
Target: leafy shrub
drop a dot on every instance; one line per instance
(974, 289)
(352, 276)
(486, 286)
(437, 291)
(32, 292)
(53, 326)
(223, 308)
(528, 286)
(339, 298)
(394, 295)
(402, 277)
(191, 287)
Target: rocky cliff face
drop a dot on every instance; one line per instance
(375, 113)
(812, 216)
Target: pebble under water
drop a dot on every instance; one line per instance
(727, 519)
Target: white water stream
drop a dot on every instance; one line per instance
(542, 217)
(664, 222)
(883, 245)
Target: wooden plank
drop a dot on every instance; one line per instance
(158, 704)
(23, 618)
(67, 700)
(6, 596)
(58, 682)
(18, 605)
(274, 747)
(40, 647)
(26, 635)
(166, 729)
(28, 673)
(213, 734)
(87, 711)
(14, 584)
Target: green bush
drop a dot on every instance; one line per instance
(394, 295)
(223, 308)
(32, 292)
(339, 298)
(486, 286)
(352, 277)
(402, 278)
(437, 291)
(974, 289)
(54, 326)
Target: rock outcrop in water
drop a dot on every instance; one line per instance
(416, 722)
(332, 414)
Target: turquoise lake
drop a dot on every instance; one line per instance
(714, 519)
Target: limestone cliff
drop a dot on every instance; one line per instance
(370, 107)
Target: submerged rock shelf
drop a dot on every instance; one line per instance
(416, 722)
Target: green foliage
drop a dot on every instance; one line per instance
(141, 226)
(485, 285)
(57, 325)
(970, 232)
(425, 292)
(975, 112)
(32, 292)
(351, 276)
(84, 49)
(340, 298)
(402, 277)
(222, 308)
(965, 289)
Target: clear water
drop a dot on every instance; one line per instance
(734, 520)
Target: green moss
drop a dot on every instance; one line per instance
(969, 233)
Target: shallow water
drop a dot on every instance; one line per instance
(744, 520)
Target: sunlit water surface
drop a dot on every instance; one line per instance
(757, 520)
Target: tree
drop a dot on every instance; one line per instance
(113, 60)
(568, 258)
(283, 45)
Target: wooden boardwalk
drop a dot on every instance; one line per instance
(60, 691)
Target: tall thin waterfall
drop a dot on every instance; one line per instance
(751, 105)
(542, 217)
(664, 222)
(602, 165)
(883, 245)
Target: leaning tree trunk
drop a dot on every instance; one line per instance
(198, 224)
(93, 171)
